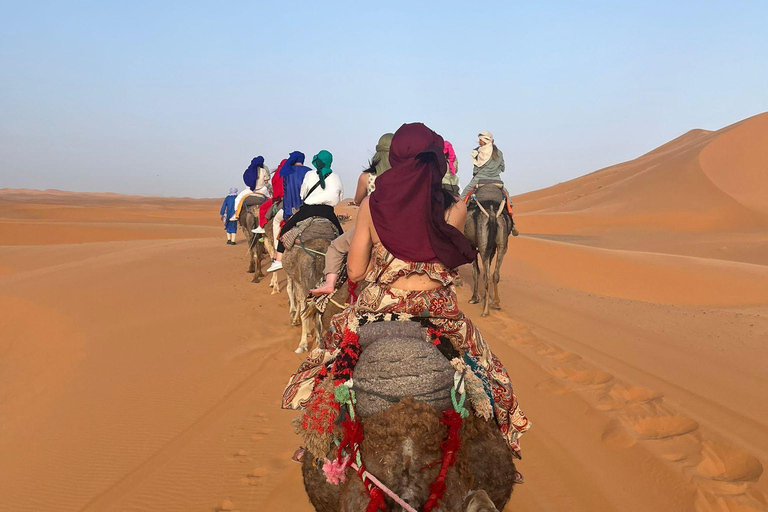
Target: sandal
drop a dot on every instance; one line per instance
(298, 455)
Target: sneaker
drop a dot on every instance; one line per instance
(275, 266)
(234, 218)
(515, 232)
(258, 230)
(234, 243)
(229, 242)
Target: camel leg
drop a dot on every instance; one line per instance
(475, 278)
(291, 300)
(496, 304)
(487, 286)
(274, 283)
(306, 323)
(251, 263)
(502, 244)
(259, 256)
(255, 262)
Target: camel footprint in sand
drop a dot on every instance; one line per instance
(723, 475)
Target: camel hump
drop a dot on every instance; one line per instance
(397, 362)
(490, 192)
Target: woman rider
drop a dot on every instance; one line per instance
(408, 253)
(451, 178)
(318, 194)
(379, 165)
(488, 164)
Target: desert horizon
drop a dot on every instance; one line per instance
(144, 371)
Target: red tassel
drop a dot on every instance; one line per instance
(377, 500)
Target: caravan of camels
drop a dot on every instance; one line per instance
(402, 402)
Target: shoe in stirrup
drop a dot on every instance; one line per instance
(275, 266)
(258, 230)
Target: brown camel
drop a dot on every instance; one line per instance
(403, 436)
(488, 227)
(269, 245)
(303, 264)
(248, 220)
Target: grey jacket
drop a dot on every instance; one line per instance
(490, 171)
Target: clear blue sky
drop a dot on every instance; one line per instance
(175, 98)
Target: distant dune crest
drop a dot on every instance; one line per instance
(702, 181)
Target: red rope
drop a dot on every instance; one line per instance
(450, 448)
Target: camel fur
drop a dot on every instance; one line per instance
(304, 269)
(402, 441)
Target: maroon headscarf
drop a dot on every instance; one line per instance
(408, 205)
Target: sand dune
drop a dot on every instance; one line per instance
(142, 370)
(700, 182)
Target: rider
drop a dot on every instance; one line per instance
(227, 210)
(255, 177)
(277, 197)
(319, 193)
(451, 178)
(379, 165)
(334, 257)
(409, 254)
(488, 165)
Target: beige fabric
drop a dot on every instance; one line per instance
(339, 248)
(482, 154)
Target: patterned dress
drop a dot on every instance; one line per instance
(439, 308)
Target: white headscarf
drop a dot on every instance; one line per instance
(482, 154)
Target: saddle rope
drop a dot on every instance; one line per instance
(485, 212)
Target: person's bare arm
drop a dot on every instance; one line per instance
(360, 249)
(457, 215)
(362, 188)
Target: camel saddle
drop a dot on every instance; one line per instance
(397, 362)
(312, 228)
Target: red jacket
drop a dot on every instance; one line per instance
(277, 182)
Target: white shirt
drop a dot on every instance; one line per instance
(331, 195)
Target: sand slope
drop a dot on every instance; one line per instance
(142, 370)
(700, 182)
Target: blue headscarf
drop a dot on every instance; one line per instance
(251, 174)
(297, 157)
(292, 176)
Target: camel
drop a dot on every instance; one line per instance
(403, 436)
(488, 227)
(248, 220)
(303, 264)
(269, 245)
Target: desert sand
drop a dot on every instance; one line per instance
(142, 370)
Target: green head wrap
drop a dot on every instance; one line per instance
(322, 162)
(380, 160)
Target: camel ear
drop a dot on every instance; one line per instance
(479, 501)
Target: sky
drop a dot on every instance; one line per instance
(175, 98)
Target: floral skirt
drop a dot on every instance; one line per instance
(437, 308)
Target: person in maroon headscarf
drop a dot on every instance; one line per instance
(407, 245)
